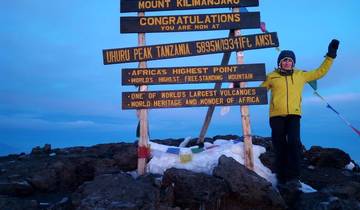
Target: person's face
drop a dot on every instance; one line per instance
(287, 64)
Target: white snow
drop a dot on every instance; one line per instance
(306, 188)
(311, 167)
(350, 166)
(206, 161)
(185, 142)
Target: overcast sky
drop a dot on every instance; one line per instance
(55, 89)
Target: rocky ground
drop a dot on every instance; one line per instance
(102, 177)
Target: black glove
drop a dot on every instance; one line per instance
(332, 49)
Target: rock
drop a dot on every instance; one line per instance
(268, 159)
(319, 200)
(106, 166)
(6, 188)
(290, 194)
(22, 188)
(12, 203)
(226, 137)
(169, 142)
(84, 170)
(47, 148)
(194, 190)
(41, 151)
(44, 181)
(125, 157)
(265, 142)
(117, 191)
(177, 142)
(194, 141)
(23, 157)
(51, 179)
(319, 178)
(247, 189)
(64, 204)
(17, 188)
(327, 157)
(2, 171)
(14, 177)
(344, 190)
(72, 172)
(36, 150)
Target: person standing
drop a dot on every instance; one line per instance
(286, 84)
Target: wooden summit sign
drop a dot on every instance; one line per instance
(202, 22)
(161, 5)
(193, 74)
(194, 98)
(183, 49)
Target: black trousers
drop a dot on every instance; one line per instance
(285, 135)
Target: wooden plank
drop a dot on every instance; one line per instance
(193, 74)
(245, 116)
(194, 98)
(197, 22)
(143, 114)
(163, 5)
(183, 49)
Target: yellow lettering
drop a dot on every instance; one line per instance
(264, 40)
(211, 101)
(117, 56)
(142, 53)
(192, 101)
(236, 77)
(153, 4)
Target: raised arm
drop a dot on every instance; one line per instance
(326, 64)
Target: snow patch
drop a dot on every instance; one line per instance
(350, 166)
(207, 160)
(306, 188)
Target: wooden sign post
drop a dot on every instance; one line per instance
(143, 144)
(245, 118)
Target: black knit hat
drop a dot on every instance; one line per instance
(286, 53)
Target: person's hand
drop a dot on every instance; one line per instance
(333, 47)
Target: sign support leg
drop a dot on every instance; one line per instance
(245, 117)
(144, 138)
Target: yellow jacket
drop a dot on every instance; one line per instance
(286, 91)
